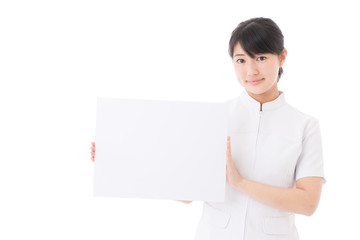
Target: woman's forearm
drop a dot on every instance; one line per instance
(297, 200)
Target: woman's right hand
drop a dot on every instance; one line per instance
(92, 151)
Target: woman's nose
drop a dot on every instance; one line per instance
(252, 69)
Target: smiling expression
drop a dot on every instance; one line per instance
(257, 75)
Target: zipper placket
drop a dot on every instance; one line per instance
(257, 141)
(253, 168)
(258, 131)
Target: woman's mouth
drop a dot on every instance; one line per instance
(255, 81)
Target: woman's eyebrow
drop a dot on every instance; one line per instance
(239, 54)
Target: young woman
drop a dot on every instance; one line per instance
(274, 155)
(274, 160)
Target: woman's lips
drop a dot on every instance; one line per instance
(255, 81)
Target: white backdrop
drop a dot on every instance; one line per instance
(57, 57)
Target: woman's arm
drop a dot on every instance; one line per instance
(303, 199)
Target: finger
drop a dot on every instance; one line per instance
(93, 144)
(229, 143)
(92, 149)
(229, 163)
(227, 176)
(227, 158)
(228, 153)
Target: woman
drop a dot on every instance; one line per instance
(274, 162)
(274, 155)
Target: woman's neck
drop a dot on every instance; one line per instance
(267, 96)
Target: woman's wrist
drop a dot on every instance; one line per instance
(240, 185)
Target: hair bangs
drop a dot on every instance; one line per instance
(255, 40)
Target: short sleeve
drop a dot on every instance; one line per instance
(310, 162)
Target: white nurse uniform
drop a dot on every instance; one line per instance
(275, 146)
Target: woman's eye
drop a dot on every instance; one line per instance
(240, 61)
(262, 58)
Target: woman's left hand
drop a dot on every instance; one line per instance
(232, 175)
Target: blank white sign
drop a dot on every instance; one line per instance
(160, 149)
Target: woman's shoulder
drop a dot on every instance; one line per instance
(300, 115)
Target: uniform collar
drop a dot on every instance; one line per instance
(268, 106)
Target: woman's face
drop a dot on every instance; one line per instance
(257, 75)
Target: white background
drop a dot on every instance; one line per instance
(57, 57)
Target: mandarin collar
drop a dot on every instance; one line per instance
(252, 104)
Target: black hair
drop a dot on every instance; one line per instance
(256, 36)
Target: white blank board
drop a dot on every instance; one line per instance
(160, 149)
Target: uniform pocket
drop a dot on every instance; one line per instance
(278, 225)
(215, 217)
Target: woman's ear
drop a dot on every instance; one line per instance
(283, 57)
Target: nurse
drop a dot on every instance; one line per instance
(274, 154)
(274, 159)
